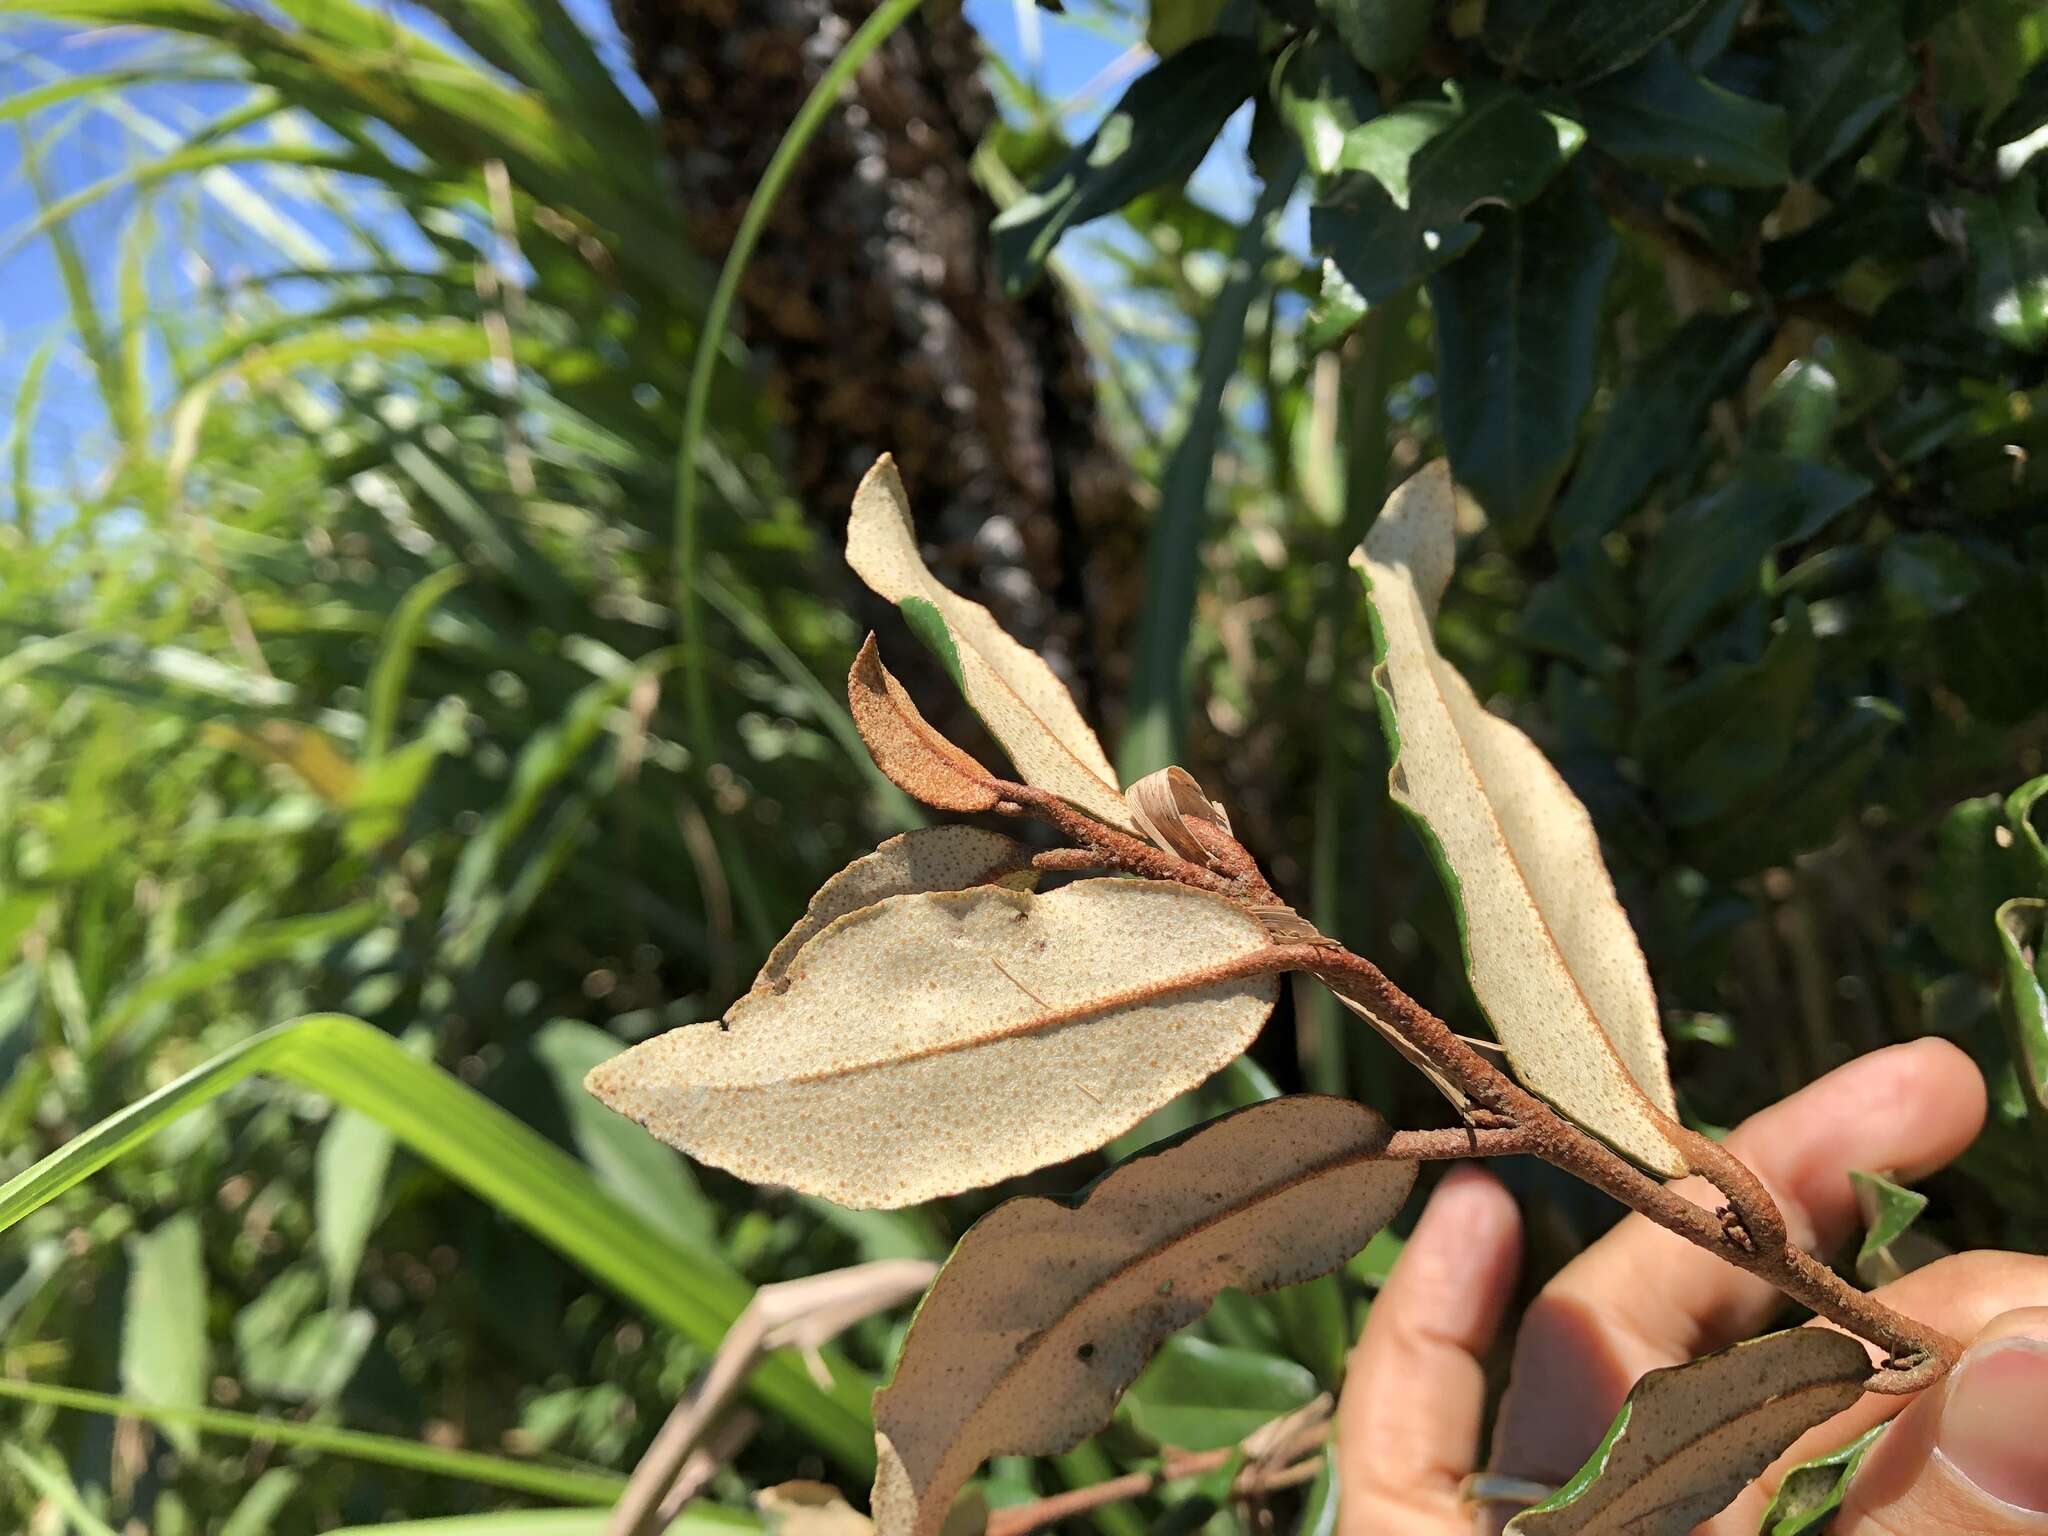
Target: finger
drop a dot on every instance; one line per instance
(1641, 1298)
(1414, 1389)
(1967, 1297)
(1971, 1456)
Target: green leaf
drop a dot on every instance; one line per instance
(1837, 85)
(1423, 167)
(1926, 576)
(1322, 97)
(2028, 842)
(54, 1484)
(1338, 311)
(1517, 325)
(2022, 928)
(1200, 1396)
(1655, 420)
(256, 1512)
(384, 695)
(638, 1169)
(1797, 413)
(1171, 25)
(1811, 1492)
(1661, 117)
(1821, 785)
(1157, 133)
(1386, 36)
(1975, 872)
(596, 1488)
(163, 1326)
(1729, 732)
(288, 1347)
(348, 1192)
(1888, 1210)
(2008, 278)
(1579, 40)
(478, 1144)
(1690, 1437)
(1710, 554)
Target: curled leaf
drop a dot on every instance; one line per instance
(936, 1042)
(1049, 1309)
(1025, 706)
(1552, 958)
(1691, 1437)
(1811, 1492)
(929, 859)
(1164, 802)
(906, 747)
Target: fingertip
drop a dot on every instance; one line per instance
(1471, 1202)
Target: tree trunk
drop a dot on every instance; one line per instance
(873, 305)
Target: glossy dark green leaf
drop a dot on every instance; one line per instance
(1577, 41)
(1323, 97)
(2029, 845)
(1924, 576)
(1201, 1396)
(1339, 310)
(1655, 420)
(1811, 1492)
(1424, 167)
(1797, 414)
(1659, 116)
(1821, 785)
(1158, 132)
(1711, 552)
(1877, 220)
(1975, 870)
(1517, 329)
(2022, 928)
(1889, 1211)
(1386, 36)
(1728, 733)
(2009, 263)
(1836, 86)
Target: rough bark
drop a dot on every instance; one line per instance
(873, 307)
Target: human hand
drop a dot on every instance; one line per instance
(1968, 1456)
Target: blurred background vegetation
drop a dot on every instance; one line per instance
(346, 345)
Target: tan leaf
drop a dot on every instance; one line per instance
(1163, 803)
(930, 859)
(803, 1508)
(1018, 697)
(933, 1043)
(1552, 958)
(906, 747)
(1692, 1437)
(1049, 1309)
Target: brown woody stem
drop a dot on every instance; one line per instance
(1749, 1234)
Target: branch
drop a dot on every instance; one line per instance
(1504, 1117)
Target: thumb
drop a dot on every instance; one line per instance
(1969, 1457)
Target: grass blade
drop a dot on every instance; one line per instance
(570, 1484)
(481, 1146)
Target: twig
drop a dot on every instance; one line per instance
(1292, 1459)
(797, 1314)
(1504, 1117)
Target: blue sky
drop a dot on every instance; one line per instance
(1065, 56)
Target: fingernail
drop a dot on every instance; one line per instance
(1992, 1421)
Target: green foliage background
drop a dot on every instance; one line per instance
(348, 681)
